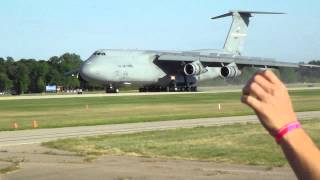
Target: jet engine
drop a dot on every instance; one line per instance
(194, 68)
(230, 71)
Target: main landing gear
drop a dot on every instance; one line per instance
(173, 86)
(112, 89)
(168, 89)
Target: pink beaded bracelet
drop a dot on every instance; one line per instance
(285, 129)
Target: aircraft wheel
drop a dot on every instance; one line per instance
(194, 89)
(112, 90)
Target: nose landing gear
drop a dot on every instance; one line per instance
(112, 89)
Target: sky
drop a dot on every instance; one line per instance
(41, 28)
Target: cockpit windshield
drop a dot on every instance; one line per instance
(99, 54)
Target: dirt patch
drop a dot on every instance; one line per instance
(43, 163)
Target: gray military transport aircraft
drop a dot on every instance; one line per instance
(176, 70)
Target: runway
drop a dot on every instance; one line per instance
(9, 138)
(224, 89)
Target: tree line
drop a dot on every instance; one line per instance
(31, 75)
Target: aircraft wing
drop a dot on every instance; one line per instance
(72, 72)
(216, 59)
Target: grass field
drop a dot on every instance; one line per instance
(235, 144)
(52, 113)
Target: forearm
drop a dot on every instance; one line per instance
(270, 99)
(302, 154)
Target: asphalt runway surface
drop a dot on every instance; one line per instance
(9, 138)
(201, 90)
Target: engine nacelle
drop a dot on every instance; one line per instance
(194, 68)
(231, 70)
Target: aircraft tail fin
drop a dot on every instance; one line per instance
(238, 30)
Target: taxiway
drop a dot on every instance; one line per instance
(9, 138)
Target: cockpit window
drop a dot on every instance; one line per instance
(99, 54)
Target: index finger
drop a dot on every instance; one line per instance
(269, 75)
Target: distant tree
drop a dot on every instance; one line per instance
(11, 68)
(53, 77)
(41, 84)
(315, 62)
(38, 72)
(5, 82)
(22, 78)
(69, 62)
(10, 59)
(71, 82)
(2, 65)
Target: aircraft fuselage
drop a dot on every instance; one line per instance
(137, 67)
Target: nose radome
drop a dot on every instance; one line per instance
(87, 71)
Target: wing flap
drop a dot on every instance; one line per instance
(227, 58)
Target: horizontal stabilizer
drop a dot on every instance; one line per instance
(247, 13)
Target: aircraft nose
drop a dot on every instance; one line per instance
(87, 71)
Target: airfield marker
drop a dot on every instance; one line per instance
(15, 125)
(87, 107)
(219, 107)
(34, 124)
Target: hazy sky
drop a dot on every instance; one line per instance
(42, 28)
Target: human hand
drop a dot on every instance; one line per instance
(269, 98)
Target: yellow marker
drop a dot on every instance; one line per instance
(15, 125)
(34, 124)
